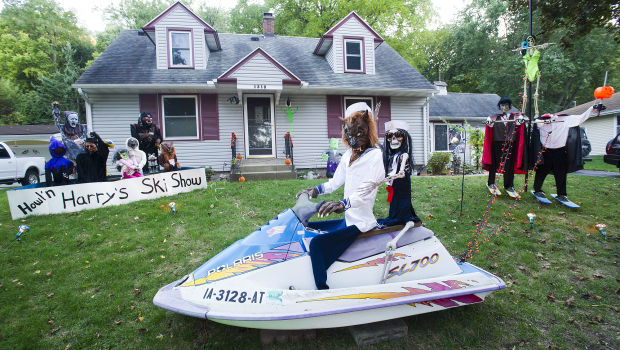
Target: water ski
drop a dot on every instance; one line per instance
(494, 190)
(543, 200)
(566, 202)
(513, 194)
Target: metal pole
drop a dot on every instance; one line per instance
(463, 178)
(528, 136)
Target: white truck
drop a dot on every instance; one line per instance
(26, 170)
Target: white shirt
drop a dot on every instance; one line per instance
(367, 168)
(554, 135)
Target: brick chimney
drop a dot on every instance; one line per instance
(268, 22)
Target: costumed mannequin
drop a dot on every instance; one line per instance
(397, 157)
(168, 157)
(502, 143)
(91, 164)
(135, 153)
(72, 132)
(560, 135)
(148, 135)
(58, 168)
(360, 164)
(127, 164)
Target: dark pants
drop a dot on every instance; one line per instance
(326, 248)
(496, 158)
(556, 161)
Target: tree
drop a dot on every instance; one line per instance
(576, 18)
(134, 14)
(247, 18)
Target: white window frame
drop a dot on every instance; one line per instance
(447, 137)
(372, 101)
(191, 49)
(346, 55)
(197, 117)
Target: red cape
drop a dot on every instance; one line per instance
(520, 152)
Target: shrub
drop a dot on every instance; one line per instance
(438, 162)
(209, 172)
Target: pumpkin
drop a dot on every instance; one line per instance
(287, 161)
(239, 156)
(241, 179)
(603, 92)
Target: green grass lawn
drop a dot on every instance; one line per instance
(86, 280)
(598, 164)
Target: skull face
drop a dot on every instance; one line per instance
(73, 120)
(505, 107)
(147, 119)
(396, 138)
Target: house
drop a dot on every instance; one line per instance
(28, 140)
(600, 129)
(450, 109)
(202, 85)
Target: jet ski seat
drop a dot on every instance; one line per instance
(374, 241)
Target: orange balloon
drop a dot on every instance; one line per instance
(603, 92)
(287, 161)
(241, 179)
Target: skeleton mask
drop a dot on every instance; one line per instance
(396, 139)
(505, 107)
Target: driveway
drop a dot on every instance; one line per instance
(597, 173)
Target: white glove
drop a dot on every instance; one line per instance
(172, 162)
(520, 119)
(489, 121)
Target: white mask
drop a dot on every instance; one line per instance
(394, 143)
(73, 120)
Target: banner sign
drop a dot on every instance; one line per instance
(70, 198)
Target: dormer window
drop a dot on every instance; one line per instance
(353, 55)
(180, 44)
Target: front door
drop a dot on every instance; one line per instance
(259, 132)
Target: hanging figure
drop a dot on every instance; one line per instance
(58, 168)
(504, 148)
(560, 136)
(398, 158)
(531, 56)
(73, 133)
(91, 164)
(148, 135)
(361, 163)
(168, 157)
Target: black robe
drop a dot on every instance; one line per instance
(91, 166)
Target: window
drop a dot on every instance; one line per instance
(180, 117)
(353, 61)
(444, 136)
(351, 100)
(3, 152)
(180, 49)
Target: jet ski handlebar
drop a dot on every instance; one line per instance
(304, 209)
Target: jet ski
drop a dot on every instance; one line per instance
(265, 279)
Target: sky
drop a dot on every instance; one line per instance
(90, 12)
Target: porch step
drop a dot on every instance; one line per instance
(263, 169)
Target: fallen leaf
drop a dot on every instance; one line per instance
(36, 272)
(160, 336)
(211, 206)
(540, 256)
(49, 273)
(51, 323)
(140, 318)
(597, 275)
(137, 291)
(55, 330)
(521, 267)
(570, 301)
(570, 320)
(494, 266)
(162, 256)
(547, 266)
(143, 330)
(118, 322)
(118, 308)
(543, 241)
(551, 297)
(132, 307)
(68, 346)
(50, 295)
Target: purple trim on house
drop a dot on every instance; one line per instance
(151, 24)
(209, 117)
(335, 111)
(239, 64)
(227, 80)
(362, 53)
(330, 33)
(291, 82)
(150, 103)
(169, 47)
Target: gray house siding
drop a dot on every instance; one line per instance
(180, 19)
(259, 70)
(411, 110)
(353, 28)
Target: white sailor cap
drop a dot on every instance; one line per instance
(396, 124)
(357, 107)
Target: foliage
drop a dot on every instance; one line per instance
(135, 14)
(10, 96)
(106, 265)
(577, 17)
(247, 18)
(476, 142)
(438, 161)
(476, 55)
(209, 172)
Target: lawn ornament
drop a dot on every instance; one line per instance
(531, 216)
(172, 206)
(531, 55)
(233, 144)
(287, 161)
(603, 92)
(239, 156)
(168, 157)
(289, 113)
(22, 229)
(288, 145)
(265, 280)
(109, 143)
(241, 179)
(72, 133)
(58, 168)
(602, 229)
(148, 135)
(332, 157)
